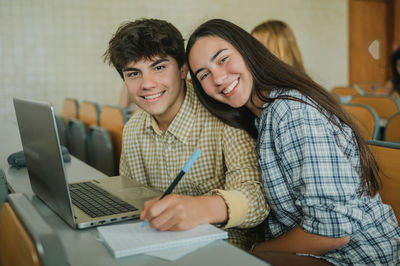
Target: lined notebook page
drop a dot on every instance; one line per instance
(130, 239)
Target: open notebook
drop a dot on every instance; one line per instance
(131, 239)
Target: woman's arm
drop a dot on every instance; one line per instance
(299, 241)
(311, 180)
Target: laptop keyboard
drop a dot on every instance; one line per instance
(97, 202)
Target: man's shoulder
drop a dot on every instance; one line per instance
(225, 129)
(207, 121)
(205, 116)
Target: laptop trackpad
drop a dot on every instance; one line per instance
(126, 188)
(136, 193)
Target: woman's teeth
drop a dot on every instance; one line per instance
(230, 88)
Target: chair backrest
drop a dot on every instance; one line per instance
(384, 106)
(366, 119)
(77, 139)
(25, 238)
(113, 119)
(3, 189)
(392, 130)
(89, 113)
(345, 91)
(100, 153)
(70, 109)
(387, 155)
(62, 130)
(368, 87)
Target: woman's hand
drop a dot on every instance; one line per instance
(299, 241)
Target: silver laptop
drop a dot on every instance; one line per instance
(81, 205)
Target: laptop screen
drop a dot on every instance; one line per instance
(40, 142)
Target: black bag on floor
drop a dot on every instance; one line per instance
(17, 159)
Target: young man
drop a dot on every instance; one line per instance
(223, 186)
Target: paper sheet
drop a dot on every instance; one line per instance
(172, 253)
(130, 239)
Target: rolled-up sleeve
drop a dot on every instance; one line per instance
(243, 191)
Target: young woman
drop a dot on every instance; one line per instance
(320, 178)
(279, 39)
(392, 87)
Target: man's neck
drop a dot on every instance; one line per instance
(163, 125)
(164, 120)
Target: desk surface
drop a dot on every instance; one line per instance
(82, 246)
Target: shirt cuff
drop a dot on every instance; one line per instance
(237, 206)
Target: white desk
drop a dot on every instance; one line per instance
(81, 246)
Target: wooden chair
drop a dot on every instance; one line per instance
(345, 91)
(366, 119)
(70, 109)
(369, 87)
(77, 139)
(100, 153)
(3, 188)
(387, 155)
(89, 113)
(384, 106)
(392, 130)
(113, 119)
(344, 94)
(25, 238)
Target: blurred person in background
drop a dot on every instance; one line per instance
(279, 39)
(392, 86)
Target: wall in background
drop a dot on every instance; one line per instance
(50, 50)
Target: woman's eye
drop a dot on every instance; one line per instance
(223, 59)
(204, 76)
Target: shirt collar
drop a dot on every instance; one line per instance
(271, 94)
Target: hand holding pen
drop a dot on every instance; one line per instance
(164, 205)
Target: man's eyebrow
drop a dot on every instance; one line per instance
(159, 61)
(211, 60)
(129, 69)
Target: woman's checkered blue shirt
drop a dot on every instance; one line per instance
(311, 174)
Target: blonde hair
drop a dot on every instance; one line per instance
(279, 39)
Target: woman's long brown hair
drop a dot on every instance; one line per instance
(269, 73)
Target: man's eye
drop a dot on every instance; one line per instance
(133, 74)
(159, 67)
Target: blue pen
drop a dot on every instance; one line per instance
(184, 170)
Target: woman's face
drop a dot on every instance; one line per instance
(221, 71)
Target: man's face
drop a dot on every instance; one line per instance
(156, 86)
